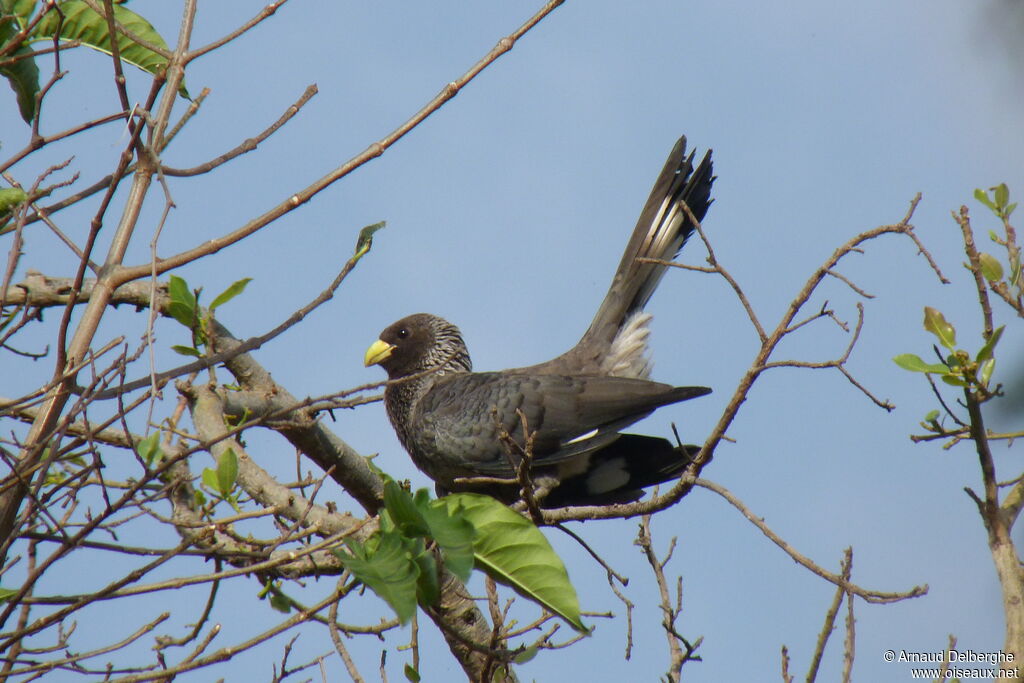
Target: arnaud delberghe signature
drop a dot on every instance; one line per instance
(939, 656)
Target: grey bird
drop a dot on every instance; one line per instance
(451, 420)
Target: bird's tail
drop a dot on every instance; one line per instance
(616, 342)
(660, 232)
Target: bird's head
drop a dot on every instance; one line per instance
(418, 343)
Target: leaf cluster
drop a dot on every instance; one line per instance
(998, 202)
(957, 368)
(466, 531)
(184, 307)
(221, 480)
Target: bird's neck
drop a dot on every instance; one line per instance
(401, 398)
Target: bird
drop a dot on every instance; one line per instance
(471, 431)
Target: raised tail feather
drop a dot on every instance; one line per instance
(616, 342)
(660, 232)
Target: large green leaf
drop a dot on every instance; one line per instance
(20, 10)
(23, 74)
(515, 552)
(80, 22)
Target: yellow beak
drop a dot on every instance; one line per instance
(379, 351)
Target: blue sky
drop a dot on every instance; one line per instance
(508, 210)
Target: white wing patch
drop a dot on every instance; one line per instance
(583, 437)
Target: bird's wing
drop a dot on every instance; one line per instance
(457, 425)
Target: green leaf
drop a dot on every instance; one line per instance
(954, 380)
(1009, 210)
(149, 449)
(515, 552)
(404, 513)
(280, 602)
(186, 350)
(23, 77)
(1002, 195)
(455, 536)
(230, 293)
(931, 416)
(986, 351)
(210, 479)
(183, 302)
(81, 23)
(411, 674)
(6, 594)
(385, 567)
(982, 197)
(936, 323)
(985, 374)
(991, 268)
(428, 587)
(423, 517)
(914, 363)
(526, 655)
(365, 240)
(23, 74)
(227, 471)
(20, 10)
(10, 197)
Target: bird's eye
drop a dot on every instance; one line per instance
(403, 333)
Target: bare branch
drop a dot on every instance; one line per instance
(252, 23)
(838, 580)
(249, 144)
(681, 650)
(786, 677)
(830, 617)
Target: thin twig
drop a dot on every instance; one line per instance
(838, 580)
(830, 617)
